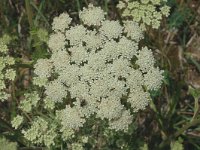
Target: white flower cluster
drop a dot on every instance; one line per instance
(43, 69)
(41, 132)
(145, 12)
(6, 63)
(77, 146)
(61, 23)
(94, 66)
(17, 121)
(70, 118)
(87, 15)
(42, 34)
(30, 101)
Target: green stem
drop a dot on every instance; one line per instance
(159, 119)
(29, 13)
(106, 6)
(14, 100)
(19, 63)
(39, 13)
(190, 124)
(78, 5)
(24, 65)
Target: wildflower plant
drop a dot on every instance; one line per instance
(7, 74)
(145, 12)
(95, 70)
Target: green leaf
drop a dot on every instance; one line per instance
(196, 94)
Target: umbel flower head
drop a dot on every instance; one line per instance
(145, 12)
(98, 72)
(92, 63)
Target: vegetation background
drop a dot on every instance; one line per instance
(171, 121)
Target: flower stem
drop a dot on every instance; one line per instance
(29, 13)
(78, 5)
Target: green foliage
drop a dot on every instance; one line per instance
(40, 36)
(196, 94)
(176, 145)
(7, 145)
(179, 16)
